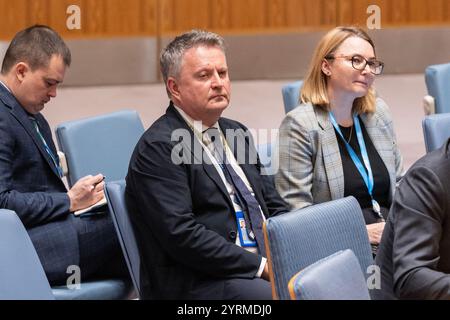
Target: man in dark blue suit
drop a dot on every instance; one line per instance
(30, 172)
(195, 189)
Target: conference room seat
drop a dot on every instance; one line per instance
(22, 276)
(302, 237)
(335, 277)
(437, 79)
(291, 95)
(115, 194)
(100, 144)
(436, 130)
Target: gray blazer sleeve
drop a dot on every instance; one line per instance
(295, 172)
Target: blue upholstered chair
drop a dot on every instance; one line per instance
(101, 144)
(437, 79)
(436, 130)
(291, 95)
(115, 194)
(336, 277)
(23, 278)
(297, 239)
(105, 289)
(21, 274)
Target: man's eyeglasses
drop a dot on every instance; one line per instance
(360, 63)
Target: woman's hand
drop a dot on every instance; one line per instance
(375, 230)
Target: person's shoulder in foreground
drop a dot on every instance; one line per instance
(414, 255)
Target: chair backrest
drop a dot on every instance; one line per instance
(291, 95)
(115, 194)
(297, 239)
(336, 277)
(437, 79)
(436, 130)
(101, 144)
(22, 276)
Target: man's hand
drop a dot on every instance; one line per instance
(86, 192)
(375, 230)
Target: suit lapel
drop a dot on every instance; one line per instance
(19, 113)
(331, 156)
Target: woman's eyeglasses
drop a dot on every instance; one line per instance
(360, 63)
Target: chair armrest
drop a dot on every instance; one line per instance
(428, 105)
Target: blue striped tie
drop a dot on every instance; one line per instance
(245, 197)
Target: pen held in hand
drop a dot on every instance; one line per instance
(95, 184)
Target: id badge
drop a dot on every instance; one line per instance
(377, 209)
(242, 230)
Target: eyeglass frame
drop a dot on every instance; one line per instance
(367, 62)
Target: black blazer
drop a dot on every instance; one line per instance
(30, 185)
(183, 216)
(414, 254)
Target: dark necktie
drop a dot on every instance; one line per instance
(248, 202)
(54, 158)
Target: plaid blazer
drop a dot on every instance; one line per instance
(310, 166)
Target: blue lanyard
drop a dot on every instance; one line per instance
(366, 175)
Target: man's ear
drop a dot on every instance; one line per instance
(172, 86)
(21, 69)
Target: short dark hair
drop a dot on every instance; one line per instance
(35, 45)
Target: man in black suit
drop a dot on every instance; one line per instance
(196, 198)
(414, 254)
(30, 173)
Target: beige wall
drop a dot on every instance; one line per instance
(260, 56)
(119, 18)
(120, 41)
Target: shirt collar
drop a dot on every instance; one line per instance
(3, 84)
(195, 123)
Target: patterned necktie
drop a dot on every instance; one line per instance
(54, 158)
(247, 200)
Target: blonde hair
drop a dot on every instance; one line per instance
(314, 89)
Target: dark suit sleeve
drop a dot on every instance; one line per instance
(275, 204)
(161, 191)
(33, 208)
(420, 209)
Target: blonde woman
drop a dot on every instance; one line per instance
(340, 141)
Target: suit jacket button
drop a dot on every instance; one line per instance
(232, 234)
